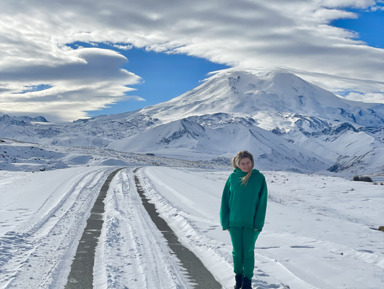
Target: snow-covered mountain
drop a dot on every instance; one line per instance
(22, 119)
(288, 123)
(266, 94)
(221, 135)
(224, 113)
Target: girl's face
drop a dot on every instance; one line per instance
(245, 165)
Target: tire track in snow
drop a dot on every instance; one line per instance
(132, 252)
(81, 274)
(36, 256)
(195, 268)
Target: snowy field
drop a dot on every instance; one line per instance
(318, 231)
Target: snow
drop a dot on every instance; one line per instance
(313, 238)
(42, 218)
(318, 231)
(188, 139)
(247, 92)
(132, 252)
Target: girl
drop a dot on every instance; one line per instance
(243, 208)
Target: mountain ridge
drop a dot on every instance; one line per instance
(312, 129)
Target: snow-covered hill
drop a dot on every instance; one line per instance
(285, 121)
(32, 157)
(221, 135)
(15, 156)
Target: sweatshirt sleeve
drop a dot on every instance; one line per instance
(224, 210)
(261, 209)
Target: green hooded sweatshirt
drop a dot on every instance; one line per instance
(244, 205)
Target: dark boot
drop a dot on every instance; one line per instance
(239, 281)
(247, 283)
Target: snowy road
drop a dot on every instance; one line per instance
(317, 233)
(197, 273)
(42, 218)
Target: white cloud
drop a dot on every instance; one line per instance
(245, 33)
(94, 80)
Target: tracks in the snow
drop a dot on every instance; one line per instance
(197, 272)
(36, 253)
(81, 275)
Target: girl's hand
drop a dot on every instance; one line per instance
(256, 230)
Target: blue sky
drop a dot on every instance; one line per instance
(164, 76)
(134, 50)
(369, 25)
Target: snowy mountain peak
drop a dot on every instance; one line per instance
(251, 92)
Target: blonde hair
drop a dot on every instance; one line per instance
(236, 160)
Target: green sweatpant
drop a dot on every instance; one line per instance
(243, 242)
